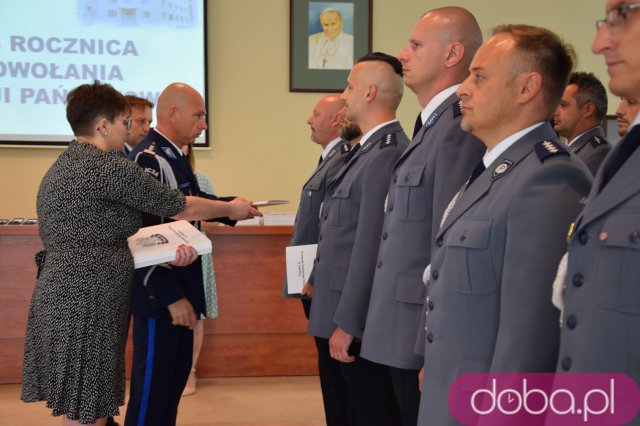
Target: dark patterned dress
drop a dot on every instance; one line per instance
(89, 202)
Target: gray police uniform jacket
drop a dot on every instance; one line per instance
(429, 173)
(601, 319)
(305, 227)
(350, 224)
(591, 147)
(495, 258)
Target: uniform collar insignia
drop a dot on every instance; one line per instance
(548, 149)
(502, 168)
(388, 140)
(169, 152)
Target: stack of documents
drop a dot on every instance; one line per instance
(279, 219)
(157, 244)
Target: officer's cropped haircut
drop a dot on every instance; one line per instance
(383, 57)
(545, 53)
(590, 89)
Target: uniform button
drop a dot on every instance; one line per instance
(395, 179)
(572, 321)
(603, 236)
(152, 297)
(439, 242)
(430, 337)
(390, 207)
(583, 237)
(566, 363)
(320, 237)
(462, 238)
(326, 215)
(384, 235)
(634, 237)
(379, 264)
(578, 280)
(430, 305)
(406, 178)
(339, 191)
(434, 275)
(318, 259)
(361, 326)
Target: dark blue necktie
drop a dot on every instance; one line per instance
(476, 172)
(417, 126)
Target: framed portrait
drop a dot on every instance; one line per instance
(326, 38)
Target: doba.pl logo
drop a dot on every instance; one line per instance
(544, 398)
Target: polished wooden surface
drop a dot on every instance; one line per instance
(257, 332)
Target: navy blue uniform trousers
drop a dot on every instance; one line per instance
(162, 355)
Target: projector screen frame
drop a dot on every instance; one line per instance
(62, 141)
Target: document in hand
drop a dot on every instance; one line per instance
(158, 244)
(299, 265)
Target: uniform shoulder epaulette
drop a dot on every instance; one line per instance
(596, 141)
(345, 148)
(388, 140)
(457, 108)
(548, 149)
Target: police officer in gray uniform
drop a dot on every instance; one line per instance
(495, 256)
(582, 108)
(350, 225)
(325, 122)
(439, 159)
(601, 320)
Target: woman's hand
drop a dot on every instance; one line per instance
(185, 255)
(241, 209)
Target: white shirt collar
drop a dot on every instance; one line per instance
(174, 145)
(330, 147)
(372, 131)
(128, 147)
(491, 156)
(436, 101)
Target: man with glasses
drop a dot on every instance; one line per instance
(141, 119)
(601, 315)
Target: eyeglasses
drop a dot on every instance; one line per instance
(127, 123)
(616, 17)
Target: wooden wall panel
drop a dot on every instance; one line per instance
(257, 332)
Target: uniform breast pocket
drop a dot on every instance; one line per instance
(342, 209)
(311, 196)
(618, 263)
(469, 267)
(410, 193)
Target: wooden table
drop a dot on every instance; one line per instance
(257, 332)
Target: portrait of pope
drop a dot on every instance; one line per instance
(331, 48)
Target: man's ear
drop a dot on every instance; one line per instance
(530, 84)
(370, 94)
(588, 109)
(453, 54)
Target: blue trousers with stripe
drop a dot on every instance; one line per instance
(162, 355)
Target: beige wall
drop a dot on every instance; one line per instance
(260, 140)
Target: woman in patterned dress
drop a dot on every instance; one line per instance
(89, 202)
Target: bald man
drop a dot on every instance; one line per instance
(350, 224)
(166, 301)
(325, 122)
(438, 161)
